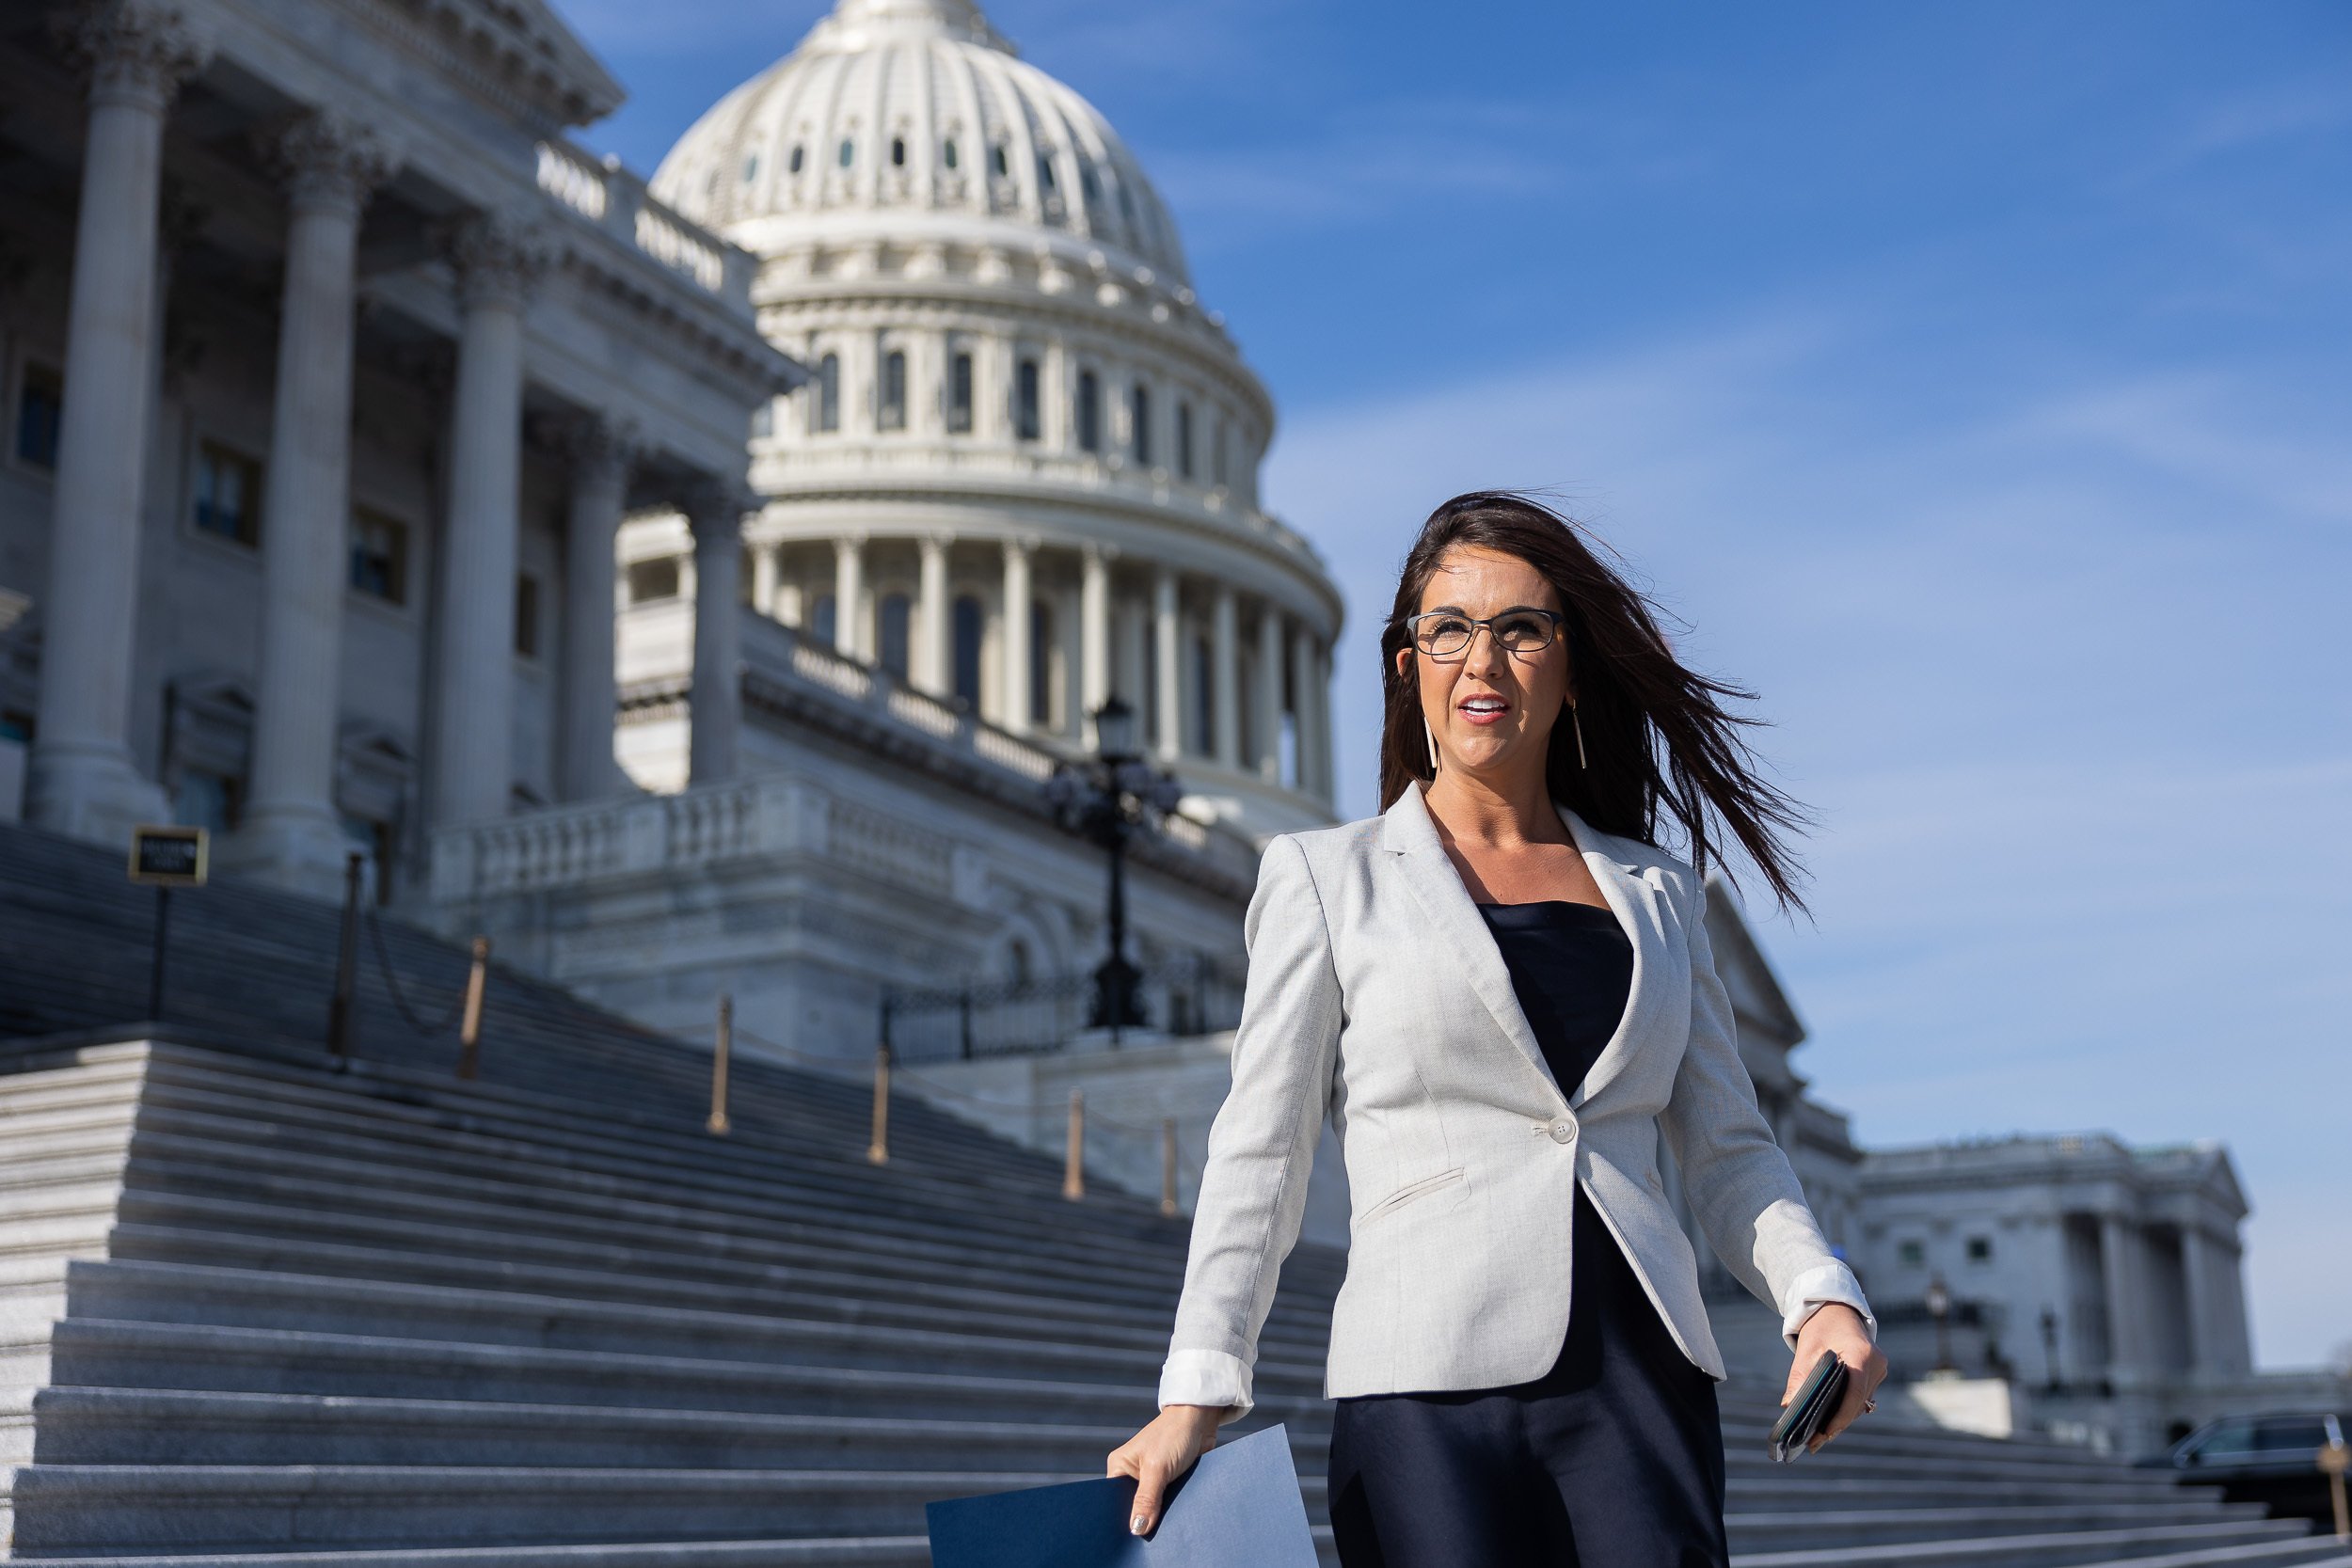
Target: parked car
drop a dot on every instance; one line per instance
(2270, 1459)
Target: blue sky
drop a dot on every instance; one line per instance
(1971, 380)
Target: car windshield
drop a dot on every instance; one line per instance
(2290, 1435)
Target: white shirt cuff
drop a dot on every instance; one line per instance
(1208, 1377)
(1815, 1288)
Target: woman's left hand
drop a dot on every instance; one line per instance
(1839, 1329)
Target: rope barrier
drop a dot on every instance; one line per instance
(400, 999)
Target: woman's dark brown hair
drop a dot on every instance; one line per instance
(1657, 736)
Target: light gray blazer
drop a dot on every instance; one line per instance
(1377, 996)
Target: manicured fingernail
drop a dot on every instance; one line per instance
(1134, 1525)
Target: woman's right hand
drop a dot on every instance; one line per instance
(1161, 1452)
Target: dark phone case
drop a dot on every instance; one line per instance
(1825, 1389)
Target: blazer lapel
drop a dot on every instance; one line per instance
(1453, 917)
(1634, 902)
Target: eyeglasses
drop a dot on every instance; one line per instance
(1521, 629)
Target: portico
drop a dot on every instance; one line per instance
(350, 442)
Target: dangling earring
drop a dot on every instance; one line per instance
(1577, 726)
(1432, 739)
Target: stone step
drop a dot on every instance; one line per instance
(192, 1294)
(2264, 1540)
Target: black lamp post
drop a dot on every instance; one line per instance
(2049, 1345)
(1104, 800)
(1940, 1308)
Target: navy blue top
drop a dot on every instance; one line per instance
(1572, 968)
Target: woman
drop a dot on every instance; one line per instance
(1500, 992)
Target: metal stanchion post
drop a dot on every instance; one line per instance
(1167, 1165)
(342, 1011)
(717, 1122)
(878, 1148)
(2333, 1461)
(469, 1035)
(1074, 1171)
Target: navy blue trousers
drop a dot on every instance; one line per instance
(1613, 1459)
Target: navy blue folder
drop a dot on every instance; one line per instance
(1239, 1508)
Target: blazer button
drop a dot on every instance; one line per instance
(1562, 1132)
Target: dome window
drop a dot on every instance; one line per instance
(849, 152)
(1045, 173)
(969, 621)
(947, 152)
(750, 168)
(1183, 440)
(1026, 409)
(828, 409)
(1126, 205)
(897, 153)
(997, 159)
(894, 618)
(1089, 412)
(1086, 181)
(1139, 425)
(799, 157)
(894, 390)
(960, 394)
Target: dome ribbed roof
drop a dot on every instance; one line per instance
(908, 107)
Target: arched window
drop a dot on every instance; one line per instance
(828, 410)
(959, 393)
(799, 153)
(848, 153)
(894, 634)
(821, 626)
(1040, 662)
(1221, 469)
(1139, 425)
(1089, 412)
(1045, 173)
(997, 160)
(968, 621)
(1086, 184)
(1183, 440)
(750, 168)
(897, 153)
(893, 411)
(1026, 409)
(947, 152)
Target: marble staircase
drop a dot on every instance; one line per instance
(260, 1308)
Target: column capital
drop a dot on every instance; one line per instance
(134, 51)
(714, 508)
(847, 543)
(603, 447)
(329, 161)
(497, 257)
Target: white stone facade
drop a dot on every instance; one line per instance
(2114, 1273)
(322, 422)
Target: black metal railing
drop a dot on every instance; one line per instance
(1194, 995)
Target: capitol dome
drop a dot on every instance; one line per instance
(1023, 475)
(919, 111)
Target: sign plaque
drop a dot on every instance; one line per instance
(169, 856)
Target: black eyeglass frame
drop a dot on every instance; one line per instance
(1552, 617)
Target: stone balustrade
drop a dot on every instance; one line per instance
(616, 201)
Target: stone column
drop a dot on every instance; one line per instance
(1327, 777)
(1269, 693)
(714, 737)
(764, 579)
(293, 834)
(1019, 649)
(1168, 643)
(603, 453)
(1303, 710)
(1225, 671)
(934, 663)
(473, 765)
(848, 587)
(1094, 635)
(2197, 1298)
(2119, 1260)
(81, 778)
